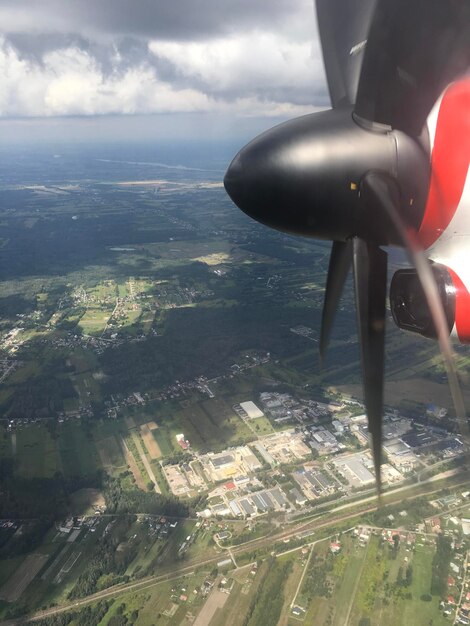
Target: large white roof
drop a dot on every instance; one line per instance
(251, 409)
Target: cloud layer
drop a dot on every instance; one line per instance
(182, 20)
(63, 58)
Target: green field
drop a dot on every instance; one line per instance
(162, 604)
(131, 320)
(73, 450)
(86, 386)
(37, 454)
(406, 612)
(105, 290)
(110, 452)
(211, 424)
(166, 440)
(147, 320)
(77, 450)
(244, 591)
(94, 321)
(29, 369)
(208, 424)
(8, 567)
(259, 594)
(261, 426)
(40, 452)
(82, 360)
(363, 582)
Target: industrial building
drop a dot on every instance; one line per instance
(251, 410)
(355, 468)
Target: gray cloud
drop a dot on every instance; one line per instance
(161, 19)
(243, 57)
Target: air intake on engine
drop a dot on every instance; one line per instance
(408, 303)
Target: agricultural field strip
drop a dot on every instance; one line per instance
(145, 462)
(105, 447)
(133, 465)
(356, 586)
(306, 566)
(153, 449)
(216, 600)
(14, 587)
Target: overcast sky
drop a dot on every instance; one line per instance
(185, 67)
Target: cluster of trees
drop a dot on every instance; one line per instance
(260, 530)
(404, 577)
(107, 560)
(440, 566)
(119, 500)
(41, 500)
(69, 321)
(32, 498)
(40, 497)
(319, 583)
(40, 396)
(89, 616)
(52, 247)
(181, 354)
(273, 248)
(176, 457)
(14, 304)
(416, 510)
(120, 619)
(267, 603)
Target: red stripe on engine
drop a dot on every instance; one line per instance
(462, 308)
(449, 161)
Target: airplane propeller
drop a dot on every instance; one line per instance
(369, 265)
(370, 282)
(359, 174)
(338, 269)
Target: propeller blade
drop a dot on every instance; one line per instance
(343, 28)
(340, 262)
(370, 282)
(383, 192)
(415, 48)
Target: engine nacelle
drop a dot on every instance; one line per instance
(409, 305)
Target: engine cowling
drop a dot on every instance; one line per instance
(409, 305)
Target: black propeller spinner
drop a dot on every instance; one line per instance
(352, 173)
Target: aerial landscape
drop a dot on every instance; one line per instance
(178, 447)
(171, 450)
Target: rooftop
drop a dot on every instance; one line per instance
(251, 409)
